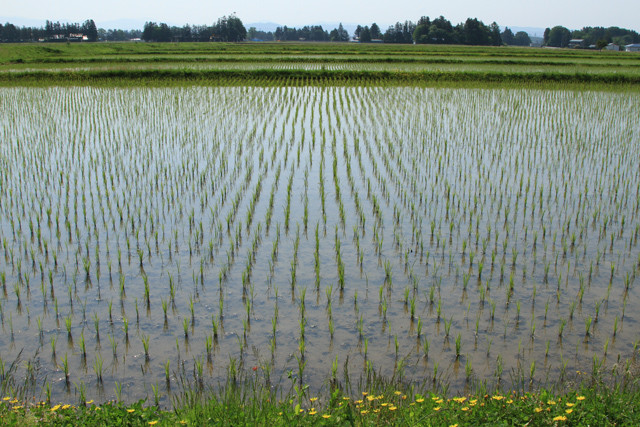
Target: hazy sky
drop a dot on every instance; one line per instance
(573, 14)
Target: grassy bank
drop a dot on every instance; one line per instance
(233, 406)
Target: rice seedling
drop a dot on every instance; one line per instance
(193, 207)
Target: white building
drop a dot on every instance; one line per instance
(612, 46)
(633, 47)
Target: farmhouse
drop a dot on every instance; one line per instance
(633, 47)
(612, 46)
(573, 43)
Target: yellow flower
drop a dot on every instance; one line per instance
(568, 411)
(14, 401)
(397, 393)
(437, 408)
(560, 418)
(569, 404)
(510, 401)
(465, 408)
(55, 408)
(130, 410)
(312, 411)
(364, 393)
(439, 401)
(580, 398)
(384, 404)
(459, 399)
(358, 402)
(152, 423)
(89, 402)
(364, 412)
(326, 416)
(498, 397)
(392, 408)
(17, 407)
(371, 398)
(345, 398)
(375, 411)
(67, 406)
(6, 398)
(453, 425)
(420, 400)
(473, 402)
(182, 422)
(538, 410)
(551, 402)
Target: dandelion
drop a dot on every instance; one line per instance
(537, 410)
(568, 411)
(459, 399)
(67, 406)
(560, 418)
(498, 397)
(580, 398)
(313, 399)
(392, 408)
(312, 411)
(89, 402)
(130, 410)
(55, 408)
(152, 423)
(326, 416)
(364, 412)
(437, 408)
(569, 404)
(419, 400)
(464, 408)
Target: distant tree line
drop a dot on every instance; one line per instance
(226, 29)
(599, 37)
(441, 31)
(52, 31)
(231, 29)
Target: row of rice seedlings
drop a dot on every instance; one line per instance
(515, 217)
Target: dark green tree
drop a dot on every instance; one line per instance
(507, 36)
(90, 30)
(148, 31)
(229, 29)
(421, 33)
(522, 39)
(375, 31)
(559, 36)
(365, 35)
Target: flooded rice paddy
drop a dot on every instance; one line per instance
(445, 236)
